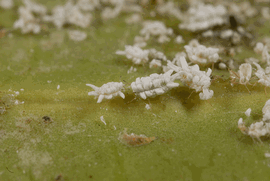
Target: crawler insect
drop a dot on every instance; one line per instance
(263, 75)
(257, 129)
(133, 139)
(242, 76)
(107, 91)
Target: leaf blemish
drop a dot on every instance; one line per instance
(133, 139)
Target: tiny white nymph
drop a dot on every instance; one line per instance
(225, 34)
(107, 91)
(77, 35)
(257, 130)
(266, 107)
(136, 54)
(265, 55)
(169, 9)
(208, 33)
(133, 19)
(222, 66)
(147, 106)
(201, 54)
(6, 4)
(206, 94)
(179, 39)
(156, 29)
(153, 85)
(154, 54)
(245, 71)
(131, 70)
(266, 111)
(203, 16)
(248, 111)
(242, 127)
(155, 63)
(258, 48)
(263, 75)
(260, 128)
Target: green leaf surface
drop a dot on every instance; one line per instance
(196, 140)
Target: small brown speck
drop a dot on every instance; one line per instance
(134, 140)
(58, 177)
(28, 121)
(2, 33)
(167, 140)
(47, 119)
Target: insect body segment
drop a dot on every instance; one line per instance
(155, 84)
(107, 91)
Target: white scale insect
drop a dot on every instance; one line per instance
(136, 54)
(155, 84)
(257, 129)
(107, 91)
(193, 77)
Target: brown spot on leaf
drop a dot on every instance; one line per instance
(134, 140)
(167, 140)
(58, 177)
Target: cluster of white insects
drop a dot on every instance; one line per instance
(179, 69)
(203, 16)
(202, 55)
(136, 54)
(185, 67)
(260, 128)
(155, 84)
(193, 77)
(158, 84)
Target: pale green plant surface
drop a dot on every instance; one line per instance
(196, 140)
